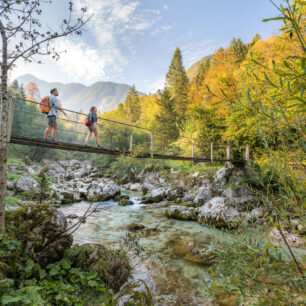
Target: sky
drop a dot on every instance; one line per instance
(132, 41)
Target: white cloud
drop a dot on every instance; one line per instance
(166, 7)
(161, 29)
(159, 83)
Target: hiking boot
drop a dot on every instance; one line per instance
(100, 147)
(53, 140)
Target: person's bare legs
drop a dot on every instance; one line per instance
(47, 132)
(54, 131)
(87, 138)
(97, 137)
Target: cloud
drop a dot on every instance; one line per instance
(159, 83)
(166, 7)
(161, 29)
(86, 63)
(114, 26)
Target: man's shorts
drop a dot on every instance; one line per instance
(52, 121)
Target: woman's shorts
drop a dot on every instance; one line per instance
(52, 121)
(93, 127)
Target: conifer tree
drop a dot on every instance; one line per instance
(133, 105)
(165, 121)
(177, 81)
(238, 48)
(255, 39)
(204, 67)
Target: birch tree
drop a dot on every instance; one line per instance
(25, 37)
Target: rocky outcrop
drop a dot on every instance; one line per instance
(41, 229)
(219, 212)
(181, 213)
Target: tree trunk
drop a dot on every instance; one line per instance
(3, 127)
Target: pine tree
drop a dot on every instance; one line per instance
(165, 121)
(132, 105)
(238, 48)
(15, 85)
(177, 81)
(255, 39)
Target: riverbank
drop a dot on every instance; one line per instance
(200, 227)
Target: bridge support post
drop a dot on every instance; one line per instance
(152, 144)
(211, 152)
(192, 150)
(228, 156)
(247, 152)
(10, 118)
(131, 142)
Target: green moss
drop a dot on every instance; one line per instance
(11, 201)
(125, 202)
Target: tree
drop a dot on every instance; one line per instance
(32, 92)
(238, 48)
(255, 39)
(15, 85)
(132, 105)
(165, 120)
(24, 37)
(177, 81)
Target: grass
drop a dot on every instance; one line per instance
(13, 177)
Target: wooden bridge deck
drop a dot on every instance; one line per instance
(82, 148)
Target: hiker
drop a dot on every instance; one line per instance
(53, 114)
(91, 123)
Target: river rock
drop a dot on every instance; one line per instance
(102, 190)
(219, 213)
(229, 193)
(10, 185)
(181, 213)
(135, 227)
(27, 184)
(72, 216)
(135, 187)
(205, 194)
(156, 195)
(125, 202)
(202, 256)
(33, 169)
(292, 239)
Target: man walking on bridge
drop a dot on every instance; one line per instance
(53, 114)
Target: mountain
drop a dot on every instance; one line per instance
(193, 69)
(76, 96)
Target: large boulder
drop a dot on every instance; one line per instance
(181, 213)
(156, 195)
(27, 184)
(112, 266)
(41, 229)
(219, 213)
(102, 190)
(205, 194)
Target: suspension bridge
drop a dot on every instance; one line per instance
(139, 142)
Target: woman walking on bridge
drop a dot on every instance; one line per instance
(91, 123)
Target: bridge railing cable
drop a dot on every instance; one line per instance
(119, 135)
